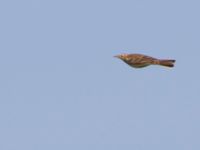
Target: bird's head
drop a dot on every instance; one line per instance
(122, 56)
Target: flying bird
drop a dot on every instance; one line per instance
(140, 60)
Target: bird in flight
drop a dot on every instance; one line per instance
(140, 60)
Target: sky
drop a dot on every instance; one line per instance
(61, 88)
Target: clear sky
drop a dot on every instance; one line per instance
(61, 88)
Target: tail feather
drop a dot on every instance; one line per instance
(167, 63)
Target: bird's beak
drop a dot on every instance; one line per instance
(117, 56)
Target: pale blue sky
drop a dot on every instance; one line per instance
(61, 88)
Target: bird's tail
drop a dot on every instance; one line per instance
(167, 63)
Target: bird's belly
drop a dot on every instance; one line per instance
(139, 65)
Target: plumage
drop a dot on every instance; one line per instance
(140, 60)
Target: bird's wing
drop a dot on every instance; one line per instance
(139, 58)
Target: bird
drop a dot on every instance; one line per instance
(141, 61)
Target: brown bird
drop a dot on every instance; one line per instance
(140, 60)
